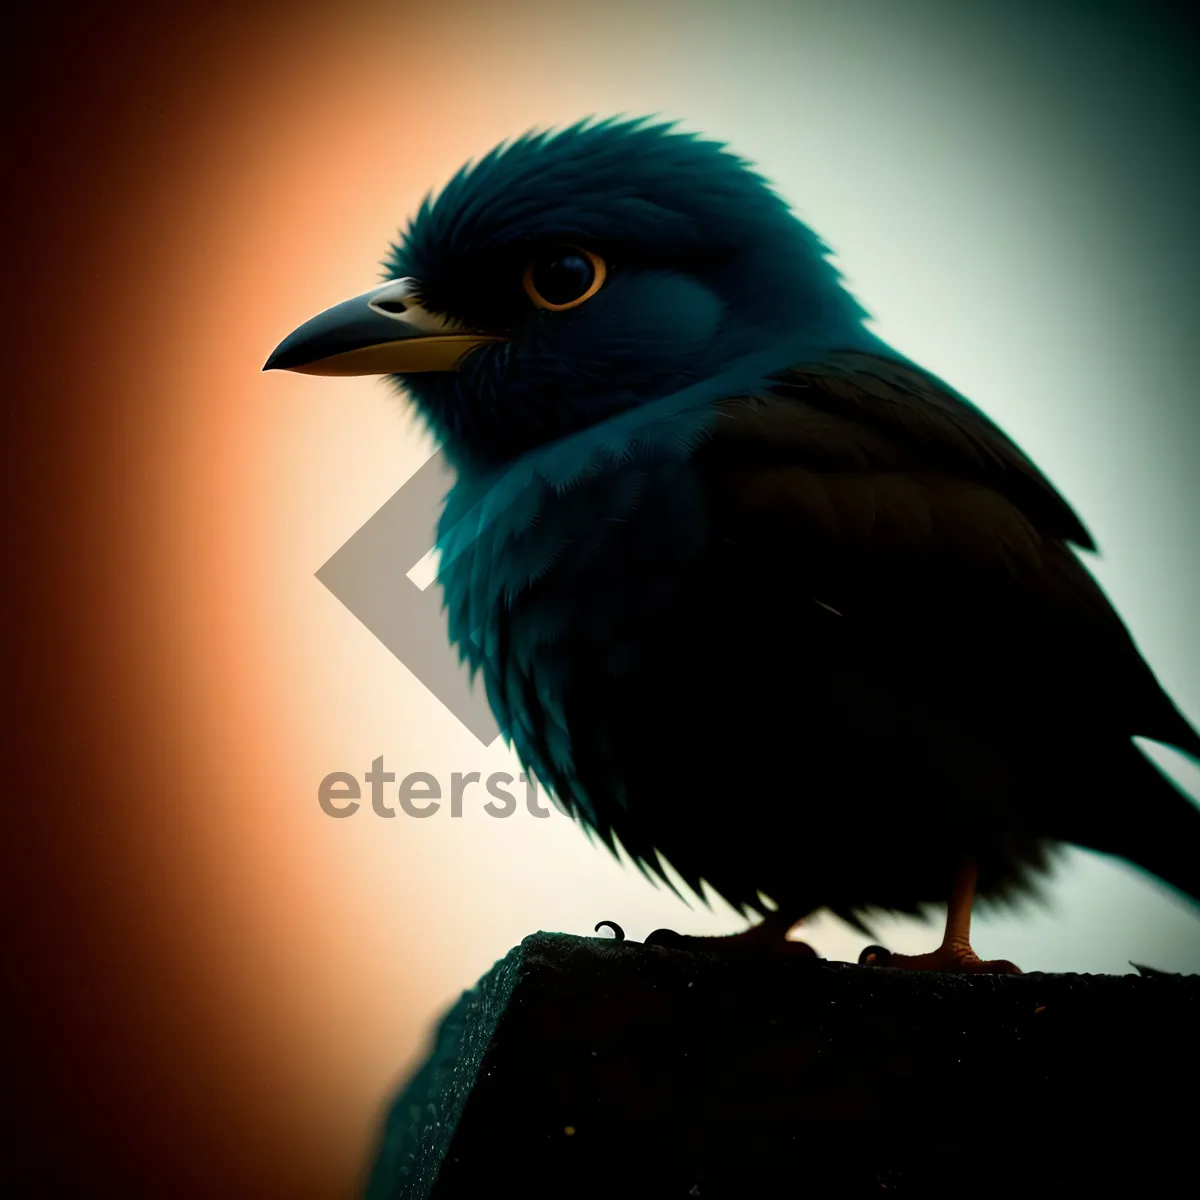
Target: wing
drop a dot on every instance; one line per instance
(935, 532)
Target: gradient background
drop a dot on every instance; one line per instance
(216, 985)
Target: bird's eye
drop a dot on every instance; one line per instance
(564, 277)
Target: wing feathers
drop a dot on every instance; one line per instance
(889, 484)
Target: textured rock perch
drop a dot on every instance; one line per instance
(587, 1067)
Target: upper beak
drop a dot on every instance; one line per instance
(384, 331)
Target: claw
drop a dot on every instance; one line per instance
(618, 932)
(663, 937)
(756, 942)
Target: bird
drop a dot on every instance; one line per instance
(764, 602)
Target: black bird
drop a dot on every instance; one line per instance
(749, 590)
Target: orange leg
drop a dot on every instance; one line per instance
(955, 953)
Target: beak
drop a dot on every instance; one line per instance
(385, 331)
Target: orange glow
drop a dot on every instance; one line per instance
(311, 949)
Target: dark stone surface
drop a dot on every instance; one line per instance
(590, 1067)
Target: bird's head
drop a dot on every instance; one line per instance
(566, 277)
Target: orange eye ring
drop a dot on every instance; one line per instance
(599, 271)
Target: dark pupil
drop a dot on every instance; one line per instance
(562, 276)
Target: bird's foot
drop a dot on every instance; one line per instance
(951, 957)
(767, 939)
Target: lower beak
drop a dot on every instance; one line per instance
(382, 332)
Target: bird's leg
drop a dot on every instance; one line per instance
(955, 953)
(768, 938)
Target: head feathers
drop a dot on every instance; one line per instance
(705, 263)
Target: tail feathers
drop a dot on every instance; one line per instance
(1156, 825)
(1179, 734)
